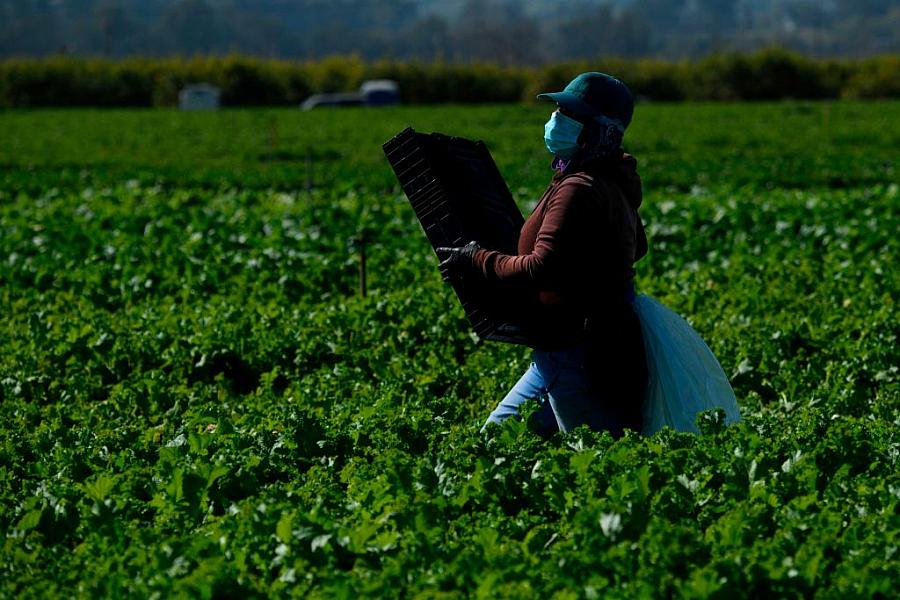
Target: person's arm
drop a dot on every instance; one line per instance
(541, 266)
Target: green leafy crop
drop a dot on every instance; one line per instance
(195, 402)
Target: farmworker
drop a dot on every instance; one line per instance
(575, 269)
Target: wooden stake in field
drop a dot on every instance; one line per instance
(360, 242)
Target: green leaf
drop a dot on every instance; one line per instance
(283, 529)
(29, 520)
(100, 487)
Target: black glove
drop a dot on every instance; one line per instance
(457, 261)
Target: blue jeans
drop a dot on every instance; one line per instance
(560, 383)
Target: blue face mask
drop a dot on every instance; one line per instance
(561, 135)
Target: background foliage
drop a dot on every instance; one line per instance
(521, 32)
(245, 81)
(195, 402)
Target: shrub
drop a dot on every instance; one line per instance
(874, 78)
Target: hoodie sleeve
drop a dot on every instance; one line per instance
(540, 267)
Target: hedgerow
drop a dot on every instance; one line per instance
(247, 81)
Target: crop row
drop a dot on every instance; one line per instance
(194, 401)
(679, 147)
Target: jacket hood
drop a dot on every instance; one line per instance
(623, 170)
(631, 185)
(626, 172)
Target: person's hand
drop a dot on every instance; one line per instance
(456, 261)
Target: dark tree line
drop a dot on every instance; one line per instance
(504, 31)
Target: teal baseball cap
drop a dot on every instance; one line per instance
(596, 94)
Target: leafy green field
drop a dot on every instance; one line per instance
(194, 400)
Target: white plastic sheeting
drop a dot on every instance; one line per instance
(684, 376)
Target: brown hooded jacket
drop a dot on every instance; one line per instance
(576, 251)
